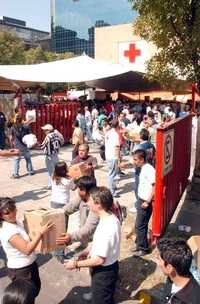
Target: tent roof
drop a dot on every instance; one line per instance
(126, 82)
(77, 69)
(95, 73)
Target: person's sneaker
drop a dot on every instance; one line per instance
(87, 296)
(15, 176)
(133, 210)
(31, 173)
(140, 253)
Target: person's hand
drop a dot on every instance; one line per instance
(46, 228)
(144, 205)
(69, 265)
(65, 238)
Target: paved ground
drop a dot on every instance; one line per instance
(61, 286)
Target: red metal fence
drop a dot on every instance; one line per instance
(60, 116)
(173, 152)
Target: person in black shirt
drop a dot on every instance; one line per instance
(2, 130)
(175, 261)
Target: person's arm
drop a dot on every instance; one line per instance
(87, 230)
(11, 152)
(91, 262)
(73, 206)
(146, 203)
(82, 234)
(28, 247)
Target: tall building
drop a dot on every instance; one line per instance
(31, 37)
(73, 22)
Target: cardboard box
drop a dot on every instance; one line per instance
(35, 219)
(79, 170)
(194, 243)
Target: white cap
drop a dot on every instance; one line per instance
(47, 127)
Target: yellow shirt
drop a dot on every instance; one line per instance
(77, 136)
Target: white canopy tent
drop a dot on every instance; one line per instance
(77, 69)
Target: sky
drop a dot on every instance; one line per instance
(80, 15)
(36, 13)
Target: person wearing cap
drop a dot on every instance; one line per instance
(51, 146)
(18, 131)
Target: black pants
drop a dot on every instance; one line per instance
(2, 139)
(141, 227)
(30, 273)
(104, 280)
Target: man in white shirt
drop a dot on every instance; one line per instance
(146, 189)
(112, 153)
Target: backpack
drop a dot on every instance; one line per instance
(119, 211)
(151, 155)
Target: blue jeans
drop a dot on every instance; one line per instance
(26, 154)
(51, 161)
(88, 133)
(112, 173)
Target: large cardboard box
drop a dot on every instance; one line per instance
(194, 243)
(79, 170)
(35, 219)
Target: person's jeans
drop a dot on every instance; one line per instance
(26, 154)
(112, 173)
(141, 227)
(51, 161)
(88, 133)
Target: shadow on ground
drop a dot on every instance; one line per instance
(76, 296)
(133, 271)
(188, 215)
(34, 195)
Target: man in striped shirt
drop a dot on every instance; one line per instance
(51, 146)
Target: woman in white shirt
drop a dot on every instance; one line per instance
(61, 186)
(105, 249)
(19, 249)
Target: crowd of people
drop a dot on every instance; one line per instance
(120, 131)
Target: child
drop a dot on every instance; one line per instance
(144, 203)
(61, 186)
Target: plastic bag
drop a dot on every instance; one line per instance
(30, 140)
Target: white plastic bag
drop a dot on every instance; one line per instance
(30, 140)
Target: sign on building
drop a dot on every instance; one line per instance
(135, 53)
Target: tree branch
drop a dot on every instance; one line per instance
(176, 30)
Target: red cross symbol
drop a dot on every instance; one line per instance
(132, 53)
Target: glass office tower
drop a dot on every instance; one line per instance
(73, 22)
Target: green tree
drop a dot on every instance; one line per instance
(11, 49)
(173, 26)
(35, 55)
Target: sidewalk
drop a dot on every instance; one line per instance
(62, 286)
